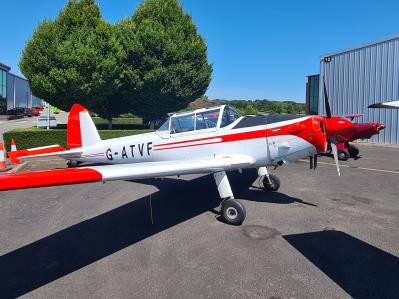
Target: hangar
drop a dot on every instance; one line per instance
(15, 91)
(357, 77)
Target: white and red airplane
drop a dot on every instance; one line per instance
(211, 140)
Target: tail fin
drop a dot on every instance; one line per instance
(81, 130)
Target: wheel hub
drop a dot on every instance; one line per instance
(231, 213)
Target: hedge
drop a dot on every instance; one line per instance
(34, 137)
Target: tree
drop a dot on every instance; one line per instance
(163, 47)
(279, 108)
(250, 110)
(76, 58)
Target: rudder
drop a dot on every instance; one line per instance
(81, 130)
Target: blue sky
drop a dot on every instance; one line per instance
(259, 48)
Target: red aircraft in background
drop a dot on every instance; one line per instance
(356, 131)
(344, 149)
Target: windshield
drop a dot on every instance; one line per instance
(165, 126)
(229, 116)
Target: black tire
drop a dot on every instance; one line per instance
(233, 212)
(275, 183)
(353, 151)
(343, 155)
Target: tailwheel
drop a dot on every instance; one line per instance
(343, 155)
(233, 211)
(353, 151)
(272, 183)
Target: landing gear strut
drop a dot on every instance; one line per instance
(232, 210)
(270, 181)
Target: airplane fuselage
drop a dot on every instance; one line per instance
(267, 143)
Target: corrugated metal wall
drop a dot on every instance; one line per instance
(363, 76)
(22, 92)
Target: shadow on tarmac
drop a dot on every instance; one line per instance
(41, 262)
(362, 270)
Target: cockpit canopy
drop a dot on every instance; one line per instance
(201, 119)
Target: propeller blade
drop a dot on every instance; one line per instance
(335, 153)
(326, 101)
(311, 162)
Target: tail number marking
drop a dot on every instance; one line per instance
(136, 151)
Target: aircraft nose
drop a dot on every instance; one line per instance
(380, 127)
(319, 138)
(335, 125)
(377, 127)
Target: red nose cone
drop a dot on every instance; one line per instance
(378, 127)
(337, 124)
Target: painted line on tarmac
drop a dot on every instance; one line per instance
(355, 167)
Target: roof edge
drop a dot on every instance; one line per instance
(364, 45)
(5, 67)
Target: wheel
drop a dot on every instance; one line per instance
(343, 155)
(274, 185)
(353, 151)
(233, 211)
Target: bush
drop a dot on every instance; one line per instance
(34, 137)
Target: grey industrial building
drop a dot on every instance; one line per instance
(356, 78)
(15, 91)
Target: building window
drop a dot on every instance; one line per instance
(313, 95)
(3, 92)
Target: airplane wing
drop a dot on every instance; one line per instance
(122, 172)
(390, 105)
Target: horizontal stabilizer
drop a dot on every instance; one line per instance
(16, 155)
(63, 154)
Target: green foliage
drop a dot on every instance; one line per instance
(170, 58)
(150, 64)
(267, 106)
(119, 121)
(76, 59)
(249, 110)
(33, 137)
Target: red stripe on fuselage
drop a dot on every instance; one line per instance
(182, 146)
(48, 178)
(93, 155)
(299, 129)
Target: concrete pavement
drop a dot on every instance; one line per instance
(26, 122)
(321, 236)
(8, 125)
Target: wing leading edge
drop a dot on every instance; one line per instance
(122, 172)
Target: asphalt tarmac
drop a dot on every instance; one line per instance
(320, 236)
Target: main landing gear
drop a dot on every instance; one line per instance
(232, 210)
